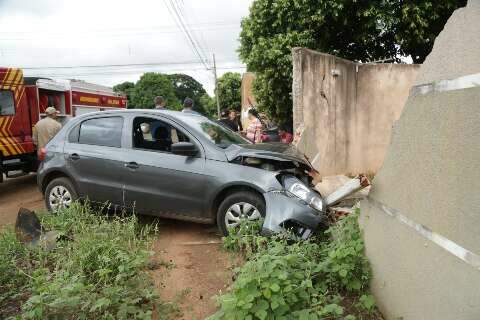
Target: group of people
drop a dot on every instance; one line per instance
(230, 118)
(48, 127)
(161, 103)
(256, 126)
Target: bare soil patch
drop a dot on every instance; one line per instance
(16, 193)
(194, 267)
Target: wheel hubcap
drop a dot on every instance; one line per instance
(59, 198)
(241, 211)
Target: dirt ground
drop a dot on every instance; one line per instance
(16, 193)
(193, 268)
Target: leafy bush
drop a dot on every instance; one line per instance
(97, 270)
(303, 279)
(246, 238)
(12, 280)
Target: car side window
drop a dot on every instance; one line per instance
(105, 132)
(156, 135)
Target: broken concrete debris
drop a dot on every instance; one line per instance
(30, 232)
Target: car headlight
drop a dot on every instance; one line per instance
(297, 188)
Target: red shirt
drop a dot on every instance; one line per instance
(286, 137)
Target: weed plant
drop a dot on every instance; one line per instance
(321, 278)
(96, 270)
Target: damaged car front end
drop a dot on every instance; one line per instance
(291, 200)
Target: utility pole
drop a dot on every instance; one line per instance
(217, 96)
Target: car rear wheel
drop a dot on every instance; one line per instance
(59, 194)
(237, 207)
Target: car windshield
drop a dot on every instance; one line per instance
(216, 133)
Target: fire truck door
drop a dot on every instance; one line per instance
(15, 122)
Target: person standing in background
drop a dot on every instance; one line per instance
(235, 118)
(160, 103)
(188, 106)
(226, 121)
(285, 136)
(46, 128)
(255, 127)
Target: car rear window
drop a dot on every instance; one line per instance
(105, 131)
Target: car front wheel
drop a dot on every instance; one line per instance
(238, 207)
(59, 194)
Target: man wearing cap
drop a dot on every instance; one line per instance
(46, 128)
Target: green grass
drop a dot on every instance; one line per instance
(97, 270)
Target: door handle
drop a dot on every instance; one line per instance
(131, 165)
(74, 157)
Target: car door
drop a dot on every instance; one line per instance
(95, 158)
(159, 182)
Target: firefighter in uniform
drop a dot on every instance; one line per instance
(46, 128)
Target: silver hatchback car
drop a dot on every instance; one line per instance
(179, 165)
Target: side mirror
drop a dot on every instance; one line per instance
(184, 149)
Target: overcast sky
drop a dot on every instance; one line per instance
(49, 33)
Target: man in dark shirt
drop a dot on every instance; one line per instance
(226, 122)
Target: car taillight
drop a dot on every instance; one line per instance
(42, 153)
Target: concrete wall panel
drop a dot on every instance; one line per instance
(421, 220)
(349, 107)
(414, 279)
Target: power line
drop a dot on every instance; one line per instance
(120, 72)
(146, 33)
(181, 27)
(113, 65)
(181, 12)
(161, 27)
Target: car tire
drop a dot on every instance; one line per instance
(241, 205)
(60, 191)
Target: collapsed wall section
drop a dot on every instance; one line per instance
(347, 109)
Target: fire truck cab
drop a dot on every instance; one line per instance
(22, 104)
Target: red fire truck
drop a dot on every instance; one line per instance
(23, 101)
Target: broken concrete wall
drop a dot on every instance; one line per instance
(347, 109)
(421, 220)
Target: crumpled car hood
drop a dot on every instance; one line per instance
(273, 151)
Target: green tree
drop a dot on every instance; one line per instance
(417, 24)
(356, 30)
(229, 90)
(186, 86)
(209, 105)
(151, 85)
(125, 88)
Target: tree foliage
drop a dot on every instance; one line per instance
(229, 90)
(125, 88)
(355, 30)
(209, 105)
(186, 86)
(151, 85)
(174, 87)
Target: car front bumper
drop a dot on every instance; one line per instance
(284, 210)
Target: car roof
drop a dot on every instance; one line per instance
(184, 116)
